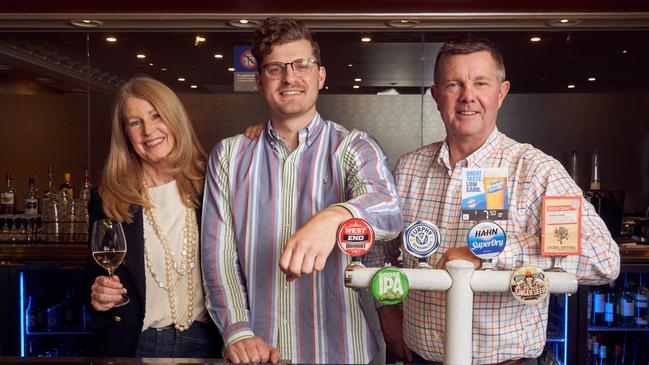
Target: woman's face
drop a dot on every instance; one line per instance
(148, 133)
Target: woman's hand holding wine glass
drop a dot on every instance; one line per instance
(108, 246)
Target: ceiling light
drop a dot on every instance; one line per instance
(218, 55)
(571, 86)
(111, 39)
(86, 23)
(563, 21)
(141, 56)
(244, 23)
(358, 79)
(193, 86)
(592, 79)
(198, 40)
(625, 51)
(403, 23)
(350, 65)
(151, 64)
(181, 79)
(535, 39)
(163, 69)
(356, 87)
(231, 69)
(326, 87)
(366, 39)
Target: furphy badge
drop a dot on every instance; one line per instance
(421, 239)
(390, 285)
(486, 240)
(529, 285)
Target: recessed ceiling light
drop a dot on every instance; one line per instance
(151, 64)
(403, 23)
(356, 87)
(163, 69)
(141, 56)
(592, 79)
(327, 87)
(350, 65)
(366, 39)
(563, 21)
(86, 23)
(193, 86)
(625, 51)
(358, 79)
(231, 69)
(218, 55)
(571, 86)
(111, 39)
(181, 79)
(244, 23)
(535, 39)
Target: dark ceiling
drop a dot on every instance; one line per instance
(400, 60)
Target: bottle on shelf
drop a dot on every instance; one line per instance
(8, 197)
(574, 170)
(641, 295)
(617, 355)
(595, 354)
(594, 179)
(31, 198)
(602, 355)
(67, 209)
(599, 298)
(51, 211)
(610, 306)
(627, 304)
(66, 189)
(81, 219)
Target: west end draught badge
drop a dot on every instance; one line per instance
(355, 238)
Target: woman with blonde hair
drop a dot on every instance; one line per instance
(152, 183)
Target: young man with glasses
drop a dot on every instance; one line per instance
(272, 207)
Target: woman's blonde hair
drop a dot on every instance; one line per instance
(121, 184)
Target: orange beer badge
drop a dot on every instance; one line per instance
(484, 194)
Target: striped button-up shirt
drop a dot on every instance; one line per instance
(258, 193)
(430, 188)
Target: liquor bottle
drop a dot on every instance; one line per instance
(81, 218)
(599, 298)
(589, 305)
(574, 171)
(641, 304)
(595, 354)
(8, 197)
(617, 355)
(30, 315)
(84, 193)
(602, 355)
(51, 211)
(610, 306)
(67, 190)
(594, 179)
(627, 304)
(589, 350)
(31, 198)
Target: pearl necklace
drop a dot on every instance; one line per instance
(186, 266)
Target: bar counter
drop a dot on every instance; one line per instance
(42, 251)
(104, 360)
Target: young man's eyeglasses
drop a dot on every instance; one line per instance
(301, 67)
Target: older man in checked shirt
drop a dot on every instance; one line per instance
(469, 89)
(275, 202)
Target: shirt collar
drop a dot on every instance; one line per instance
(476, 159)
(309, 134)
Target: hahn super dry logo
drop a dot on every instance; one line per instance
(355, 237)
(390, 285)
(486, 240)
(421, 239)
(529, 285)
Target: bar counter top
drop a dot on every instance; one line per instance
(104, 360)
(42, 251)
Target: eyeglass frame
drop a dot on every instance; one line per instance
(284, 66)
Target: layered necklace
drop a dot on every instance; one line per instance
(174, 270)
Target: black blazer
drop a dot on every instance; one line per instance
(116, 332)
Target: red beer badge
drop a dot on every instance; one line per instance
(355, 237)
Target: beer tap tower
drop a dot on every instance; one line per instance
(460, 280)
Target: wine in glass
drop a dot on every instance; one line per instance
(108, 245)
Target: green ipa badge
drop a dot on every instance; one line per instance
(390, 285)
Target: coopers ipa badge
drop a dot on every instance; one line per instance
(390, 285)
(484, 193)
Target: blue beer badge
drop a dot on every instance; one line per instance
(486, 240)
(421, 239)
(529, 285)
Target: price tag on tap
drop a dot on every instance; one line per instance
(421, 239)
(390, 285)
(561, 226)
(529, 285)
(355, 237)
(486, 240)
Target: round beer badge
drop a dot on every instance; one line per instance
(390, 285)
(355, 237)
(421, 238)
(486, 240)
(529, 285)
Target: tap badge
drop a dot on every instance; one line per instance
(421, 238)
(486, 240)
(355, 237)
(390, 285)
(529, 285)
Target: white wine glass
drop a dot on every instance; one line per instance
(108, 245)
